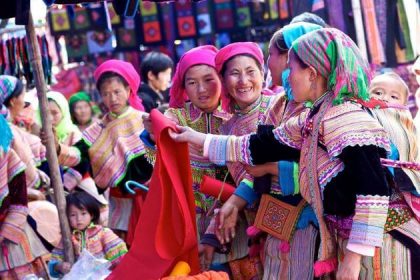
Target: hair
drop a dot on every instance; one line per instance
(298, 59)
(84, 201)
(107, 76)
(397, 78)
(277, 40)
(17, 91)
(222, 72)
(310, 18)
(156, 62)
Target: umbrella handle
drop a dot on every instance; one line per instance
(131, 185)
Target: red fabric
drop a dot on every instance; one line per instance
(138, 202)
(166, 231)
(199, 55)
(212, 187)
(231, 50)
(127, 71)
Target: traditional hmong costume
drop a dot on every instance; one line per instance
(187, 114)
(340, 172)
(100, 241)
(22, 251)
(111, 151)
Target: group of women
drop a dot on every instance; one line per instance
(315, 152)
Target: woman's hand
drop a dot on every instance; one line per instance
(349, 268)
(206, 253)
(186, 134)
(63, 267)
(147, 123)
(262, 169)
(44, 139)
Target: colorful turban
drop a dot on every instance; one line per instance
(337, 58)
(128, 73)
(7, 87)
(231, 50)
(199, 55)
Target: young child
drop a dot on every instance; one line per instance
(83, 213)
(389, 87)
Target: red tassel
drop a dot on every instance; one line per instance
(252, 231)
(284, 247)
(324, 267)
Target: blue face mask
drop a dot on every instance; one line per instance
(286, 85)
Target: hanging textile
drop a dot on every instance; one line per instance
(336, 14)
(151, 28)
(59, 21)
(224, 13)
(408, 54)
(168, 17)
(185, 20)
(81, 20)
(127, 36)
(203, 18)
(99, 41)
(99, 16)
(274, 9)
(113, 16)
(284, 9)
(170, 212)
(243, 13)
(376, 50)
(76, 46)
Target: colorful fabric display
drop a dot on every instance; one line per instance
(152, 30)
(59, 21)
(243, 13)
(81, 19)
(283, 9)
(127, 36)
(99, 41)
(76, 45)
(99, 16)
(113, 16)
(185, 19)
(376, 50)
(224, 14)
(169, 22)
(170, 185)
(126, 8)
(203, 18)
(274, 9)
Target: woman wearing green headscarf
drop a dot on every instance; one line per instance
(366, 229)
(81, 110)
(67, 132)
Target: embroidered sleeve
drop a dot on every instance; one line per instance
(290, 132)
(369, 220)
(246, 192)
(13, 225)
(149, 146)
(69, 155)
(114, 246)
(288, 177)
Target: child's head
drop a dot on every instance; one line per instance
(389, 87)
(82, 209)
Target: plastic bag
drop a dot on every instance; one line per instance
(88, 267)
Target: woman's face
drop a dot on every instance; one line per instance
(82, 112)
(299, 79)
(243, 80)
(17, 104)
(203, 87)
(115, 95)
(277, 63)
(55, 113)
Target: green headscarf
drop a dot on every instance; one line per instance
(66, 126)
(337, 58)
(79, 96)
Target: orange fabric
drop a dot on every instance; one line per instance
(166, 231)
(208, 275)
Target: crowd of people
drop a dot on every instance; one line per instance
(322, 154)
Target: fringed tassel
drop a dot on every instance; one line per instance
(284, 247)
(253, 231)
(324, 267)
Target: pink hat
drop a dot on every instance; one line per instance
(129, 74)
(230, 51)
(199, 55)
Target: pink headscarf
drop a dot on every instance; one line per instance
(230, 51)
(130, 75)
(199, 55)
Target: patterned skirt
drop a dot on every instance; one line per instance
(18, 260)
(295, 264)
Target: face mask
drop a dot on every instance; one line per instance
(286, 85)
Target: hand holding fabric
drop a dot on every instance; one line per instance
(187, 134)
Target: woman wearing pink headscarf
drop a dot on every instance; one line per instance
(195, 102)
(110, 150)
